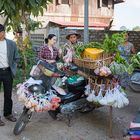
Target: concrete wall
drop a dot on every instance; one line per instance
(98, 35)
(94, 35)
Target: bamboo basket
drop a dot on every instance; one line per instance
(103, 60)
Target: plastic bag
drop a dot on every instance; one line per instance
(120, 97)
(31, 81)
(104, 71)
(100, 96)
(110, 97)
(91, 97)
(37, 102)
(35, 71)
(68, 57)
(88, 90)
(103, 101)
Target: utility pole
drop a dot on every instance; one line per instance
(86, 31)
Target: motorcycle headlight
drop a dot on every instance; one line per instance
(39, 89)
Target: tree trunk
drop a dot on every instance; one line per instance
(25, 33)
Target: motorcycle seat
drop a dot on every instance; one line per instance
(69, 97)
(59, 90)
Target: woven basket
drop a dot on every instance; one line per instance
(104, 60)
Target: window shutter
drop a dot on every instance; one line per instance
(99, 3)
(70, 2)
(59, 1)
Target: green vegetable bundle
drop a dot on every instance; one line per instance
(119, 69)
(109, 45)
(79, 49)
(135, 60)
(119, 59)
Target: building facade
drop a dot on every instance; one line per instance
(71, 12)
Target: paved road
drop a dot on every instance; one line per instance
(91, 126)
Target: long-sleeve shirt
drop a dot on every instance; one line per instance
(126, 50)
(46, 54)
(70, 46)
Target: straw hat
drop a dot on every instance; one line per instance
(73, 33)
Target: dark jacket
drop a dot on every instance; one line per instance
(13, 56)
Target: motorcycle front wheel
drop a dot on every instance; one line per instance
(53, 114)
(22, 121)
(134, 87)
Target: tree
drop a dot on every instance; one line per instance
(136, 28)
(123, 28)
(18, 18)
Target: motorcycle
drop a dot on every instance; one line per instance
(134, 130)
(73, 100)
(135, 81)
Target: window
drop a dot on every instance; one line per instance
(58, 2)
(65, 1)
(104, 3)
(99, 3)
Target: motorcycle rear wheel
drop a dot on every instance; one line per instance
(87, 109)
(22, 121)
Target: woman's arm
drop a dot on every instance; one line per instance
(133, 49)
(41, 54)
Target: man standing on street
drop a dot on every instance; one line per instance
(8, 59)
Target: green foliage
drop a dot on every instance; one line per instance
(18, 14)
(128, 67)
(136, 28)
(123, 28)
(109, 45)
(117, 68)
(33, 25)
(14, 7)
(135, 60)
(80, 48)
(30, 56)
(17, 11)
(119, 59)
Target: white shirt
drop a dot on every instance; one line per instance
(3, 54)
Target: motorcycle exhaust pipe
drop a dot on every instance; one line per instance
(73, 106)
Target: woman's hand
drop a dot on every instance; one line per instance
(50, 61)
(60, 51)
(133, 50)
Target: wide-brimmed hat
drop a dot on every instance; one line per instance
(73, 33)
